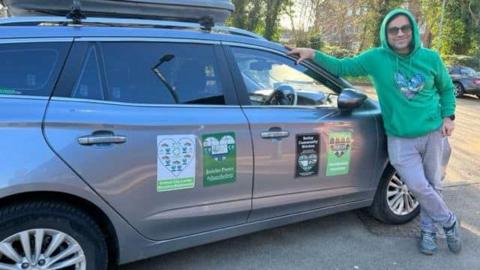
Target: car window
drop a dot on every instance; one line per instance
(265, 73)
(453, 70)
(468, 71)
(89, 84)
(161, 73)
(30, 69)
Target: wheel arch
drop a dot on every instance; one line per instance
(458, 82)
(462, 86)
(386, 169)
(90, 208)
(377, 207)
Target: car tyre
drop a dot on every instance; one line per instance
(459, 90)
(37, 234)
(393, 202)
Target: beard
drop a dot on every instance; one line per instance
(401, 45)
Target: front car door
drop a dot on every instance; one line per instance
(155, 128)
(308, 154)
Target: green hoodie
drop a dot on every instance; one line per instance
(415, 91)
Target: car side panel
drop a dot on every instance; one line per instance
(125, 174)
(162, 247)
(469, 86)
(28, 165)
(277, 192)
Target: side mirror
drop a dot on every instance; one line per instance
(350, 99)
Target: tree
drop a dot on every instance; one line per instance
(255, 14)
(377, 9)
(260, 16)
(300, 15)
(239, 17)
(316, 42)
(274, 9)
(461, 28)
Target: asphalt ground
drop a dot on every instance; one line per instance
(353, 240)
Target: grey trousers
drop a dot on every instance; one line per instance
(420, 163)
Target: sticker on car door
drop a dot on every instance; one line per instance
(219, 158)
(338, 153)
(175, 162)
(307, 155)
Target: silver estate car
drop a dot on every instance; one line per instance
(123, 139)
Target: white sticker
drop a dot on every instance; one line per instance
(175, 162)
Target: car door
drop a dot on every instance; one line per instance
(155, 129)
(308, 154)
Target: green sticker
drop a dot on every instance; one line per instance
(338, 153)
(175, 184)
(219, 158)
(4, 91)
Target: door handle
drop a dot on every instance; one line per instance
(274, 134)
(104, 138)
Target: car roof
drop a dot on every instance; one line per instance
(168, 30)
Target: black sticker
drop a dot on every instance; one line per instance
(307, 155)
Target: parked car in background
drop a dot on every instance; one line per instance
(124, 139)
(465, 79)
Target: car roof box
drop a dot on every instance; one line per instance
(178, 10)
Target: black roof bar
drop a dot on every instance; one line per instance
(76, 13)
(205, 24)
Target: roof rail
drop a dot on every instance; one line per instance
(237, 31)
(48, 20)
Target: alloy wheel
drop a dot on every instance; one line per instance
(41, 249)
(400, 200)
(458, 90)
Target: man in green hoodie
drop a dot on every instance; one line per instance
(417, 100)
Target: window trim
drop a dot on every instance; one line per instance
(144, 39)
(33, 40)
(132, 104)
(23, 97)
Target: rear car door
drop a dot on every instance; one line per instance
(308, 154)
(155, 128)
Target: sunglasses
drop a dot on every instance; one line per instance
(407, 28)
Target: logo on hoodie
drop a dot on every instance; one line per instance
(409, 87)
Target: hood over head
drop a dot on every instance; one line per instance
(416, 42)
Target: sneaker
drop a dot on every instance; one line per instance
(454, 240)
(428, 243)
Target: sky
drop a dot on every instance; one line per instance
(285, 22)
